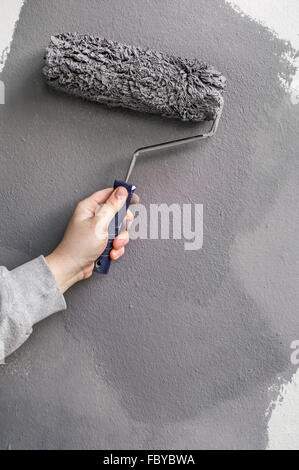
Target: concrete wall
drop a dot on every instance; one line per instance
(173, 349)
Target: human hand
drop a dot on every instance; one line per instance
(86, 237)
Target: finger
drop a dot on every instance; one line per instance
(122, 240)
(129, 216)
(135, 199)
(91, 204)
(115, 254)
(128, 220)
(113, 204)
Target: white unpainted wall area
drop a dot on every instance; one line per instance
(10, 11)
(282, 17)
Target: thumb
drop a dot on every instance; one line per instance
(106, 212)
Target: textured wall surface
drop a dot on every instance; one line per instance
(174, 349)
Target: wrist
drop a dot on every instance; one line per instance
(64, 270)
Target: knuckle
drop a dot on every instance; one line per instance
(112, 202)
(79, 205)
(106, 211)
(111, 206)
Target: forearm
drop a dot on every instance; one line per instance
(28, 294)
(34, 291)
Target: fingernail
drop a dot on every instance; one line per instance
(121, 193)
(135, 199)
(118, 254)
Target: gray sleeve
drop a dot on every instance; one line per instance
(28, 294)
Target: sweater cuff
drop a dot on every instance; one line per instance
(38, 289)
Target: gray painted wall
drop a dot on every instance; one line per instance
(173, 349)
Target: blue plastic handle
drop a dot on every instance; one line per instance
(102, 264)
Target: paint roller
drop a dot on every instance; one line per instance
(143, 80)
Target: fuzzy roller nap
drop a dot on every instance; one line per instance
(140, 79)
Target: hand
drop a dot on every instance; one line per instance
(86, 237)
